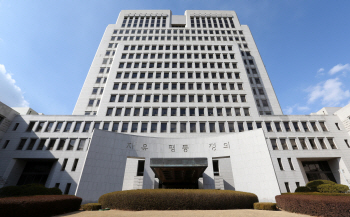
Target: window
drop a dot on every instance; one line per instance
(331, 143)
(68, 126)
(337, 125)
(30, 126)
(323, 145)
(75, 164)
(287, 186)
(347, 143)
(109, 111)
(77, 126)
(173, 127)
(314, 127)
(140, 167)
(66, 190)
(303, 144)
(280, 163)
(64, 164)
(125, 127)
(294, 144)
(87, 126)
(40, 126)
(216, 167)
(268, 126)
(61, 144)
(115, 127)
(274, 144)
(296, 127)
(240, 127)
(312, 143)
(49, 127)
(323, 126)
(51, 144)
(15, 127)
(5, 144)
(284, 144)
(71, 144)
(286, 126)
(81, 145)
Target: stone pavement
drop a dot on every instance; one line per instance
(184, 213)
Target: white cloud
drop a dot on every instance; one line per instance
(330, 92)
(320, 70)
(10, 93)
(339, 68)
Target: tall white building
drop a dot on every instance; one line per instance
(166, 98)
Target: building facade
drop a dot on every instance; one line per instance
(166, 98)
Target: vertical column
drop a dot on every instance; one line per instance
(148, 176)
(208, 176)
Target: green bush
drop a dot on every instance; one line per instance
(91, 206)
(39, 206)
(302, 189)
(314, 184)
(330, 188)
(265, 206)
(178, 199)
(315, 204)
(28, 190)
(317, 193)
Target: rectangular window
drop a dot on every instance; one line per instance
(331, 143)
(40, 126)
(284, 144)
(58, 126)
(268, 126)
(202, 127)
(125, 127)
(81, 145)
(66, 190)
(323, 126)
(173, 127)
(75, 164)
(163, 127)
(51, 144)
(15, 127)
(304, 124)
(115, 126)
(287, 186)
(303, 144)
(278, 127)
(314, 127)
(87, 126)
(71, 144)
(77, 126)
(140, 167)
(153, 127)
(323, 145)
(30, 126)
(296, 126)
(5, 144)
(49, 127)
(216, 167)
(64, 164)
(280, 163)
(274, 144)
(312, 143)
(294, 144)
(286, 126)
(60, 144)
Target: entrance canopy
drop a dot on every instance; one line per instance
(178, 170)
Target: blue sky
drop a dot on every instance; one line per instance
(46, 48)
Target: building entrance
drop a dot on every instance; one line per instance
(318, 170)
(35, 172)
(178, 173)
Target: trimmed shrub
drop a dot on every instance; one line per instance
(178, 199)
(265, 206)
(91, 206)
(28, 190)
(302, 189)
(317, 193)
(39, 206)
(330, 188)
(314, 184)
(315, 205)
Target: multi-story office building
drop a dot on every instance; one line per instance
(166, 98)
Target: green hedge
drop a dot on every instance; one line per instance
(323, 186)
(314, 204)
(265, 206)
(314, 184)
(38, 206)
(91, 206)
(28, 190)
(317, 193)
(178, 199)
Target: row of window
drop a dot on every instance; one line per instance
(302, 143)
(179, 47)
(49, 144)
(143, 22)
(176, 98)
(182, 75)
(178, 111)
(175, 38)
(174, 65)
(270, 126)
(210, 22)
(177, 31)
(175, 86)
(175, 55)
